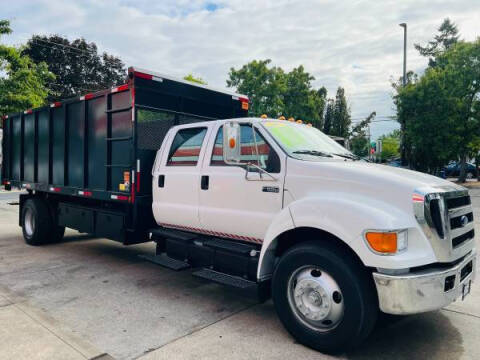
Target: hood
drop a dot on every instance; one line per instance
(385, 183)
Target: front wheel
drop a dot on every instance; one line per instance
(324, 297)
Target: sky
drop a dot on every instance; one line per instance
(354, 44)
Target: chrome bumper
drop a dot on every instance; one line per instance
(424, 290)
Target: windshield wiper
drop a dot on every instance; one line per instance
(347, 156)
(313, 152)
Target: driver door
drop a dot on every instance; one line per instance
(233, 205)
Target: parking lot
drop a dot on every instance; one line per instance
(92, 296)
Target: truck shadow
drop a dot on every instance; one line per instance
(75, 238)
(429, 336)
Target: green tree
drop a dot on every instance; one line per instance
(328, 119)
(317, 102)
(341, 115)
(425, 111)
(390, 145)
(440, 111)
(447, 37)
(195, 79)
(263, 85)
(461, 68)
(359, 140)
(22, 82)
(77, 65)
(300, 100)
(274, 92)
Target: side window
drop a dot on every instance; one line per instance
(186, 146)
(267, 157)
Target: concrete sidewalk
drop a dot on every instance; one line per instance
(27, 333)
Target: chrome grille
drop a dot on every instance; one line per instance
(450, 223)
(460, 219)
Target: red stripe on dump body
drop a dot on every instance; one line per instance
(143, 75)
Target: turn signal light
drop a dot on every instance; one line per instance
(382, 242)
(231, 143)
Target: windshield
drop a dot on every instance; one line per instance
(304, 142)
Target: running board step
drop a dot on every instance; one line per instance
(161, 232)
(166, 261)
(243, 286)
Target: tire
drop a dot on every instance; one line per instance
(38, 225)
(352, 291)
(470, 175)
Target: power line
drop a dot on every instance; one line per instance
(376, 120)
(68, 50)
(90, 52)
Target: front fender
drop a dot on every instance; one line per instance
(347, 216)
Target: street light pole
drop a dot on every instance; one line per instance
(404, 26)
(403, 150)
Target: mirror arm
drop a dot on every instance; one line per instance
(256, 149)
(261, 171)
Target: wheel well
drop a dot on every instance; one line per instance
(52, 205)
(296, 236)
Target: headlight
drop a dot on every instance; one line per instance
(387, 242)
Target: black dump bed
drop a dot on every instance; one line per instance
(97, 150)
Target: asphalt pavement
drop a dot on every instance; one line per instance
(90, 298)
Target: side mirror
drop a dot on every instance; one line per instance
(231, 143)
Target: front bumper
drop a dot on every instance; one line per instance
(424, 290)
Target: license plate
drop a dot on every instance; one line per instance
(466, 289)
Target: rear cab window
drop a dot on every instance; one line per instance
(186, 146)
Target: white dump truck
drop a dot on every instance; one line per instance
(266, 207)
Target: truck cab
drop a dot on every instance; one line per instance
(335, 239)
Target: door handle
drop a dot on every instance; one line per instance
(161, 181)
(205, 182)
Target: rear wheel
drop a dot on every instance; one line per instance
(470, 175)
(324, 297)
(38, 225)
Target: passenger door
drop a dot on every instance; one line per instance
(176, 178)
(233, 206)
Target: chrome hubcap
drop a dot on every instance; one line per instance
(29, 222)
(315, 298)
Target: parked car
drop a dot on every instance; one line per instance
(453, 170)
(395, 163)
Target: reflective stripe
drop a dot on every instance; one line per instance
(215, 233)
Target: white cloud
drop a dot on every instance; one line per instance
(354, 44)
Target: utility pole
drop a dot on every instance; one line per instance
(403, 150)
(404, 26)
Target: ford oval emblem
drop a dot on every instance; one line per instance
(464, 220)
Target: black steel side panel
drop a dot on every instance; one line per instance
(43, 146)
(76, 138)
(97, 143)
(58, 149)
(121, 151)
(79, 218)
(187, 99)
(17, 140)
(109, 225)
(29, 148)
(6, 149)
